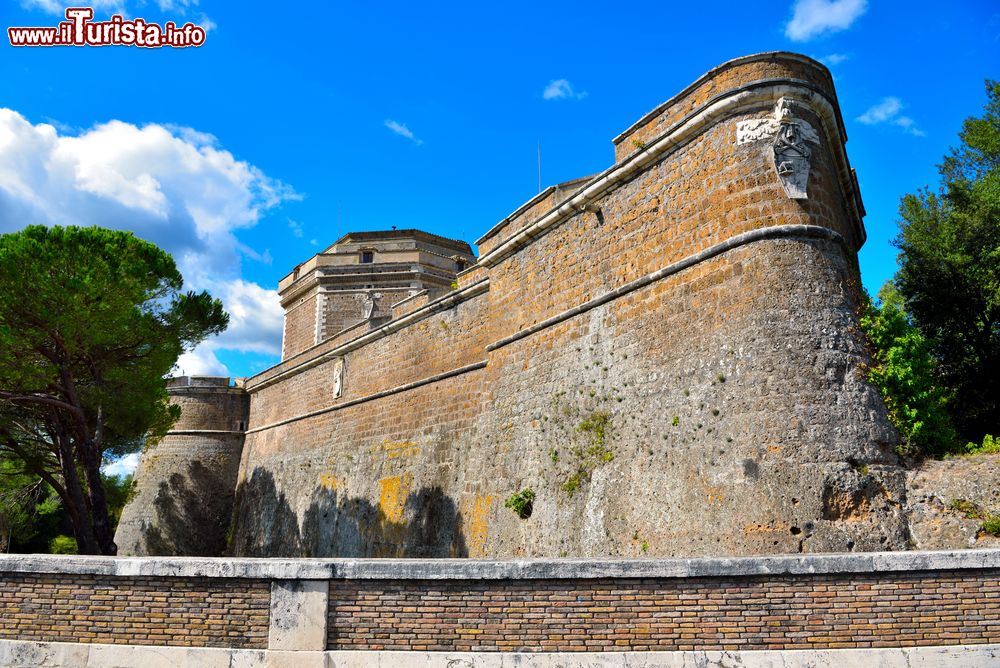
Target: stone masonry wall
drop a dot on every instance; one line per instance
(185, 484)
(671, 363)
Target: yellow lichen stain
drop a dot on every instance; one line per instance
(396, 449)
(759, 528)
(713, 494)
(477, 513)
(328, 481)
(392, 496)
(774, 449)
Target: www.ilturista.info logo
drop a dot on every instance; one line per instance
(81, 30)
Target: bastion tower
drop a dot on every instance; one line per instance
(186, 483)
(662, 359)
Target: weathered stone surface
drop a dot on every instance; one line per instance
(185, 484)
(298, 615)
(937, 487)
(666, 353)
(16, 654)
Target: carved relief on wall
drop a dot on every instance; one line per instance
(370, 302)
(789, 137)
(338, 377)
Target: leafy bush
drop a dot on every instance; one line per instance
(63, 545)
(903, 371)
(522, 503)
(989, 445)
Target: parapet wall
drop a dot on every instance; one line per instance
(886, 609)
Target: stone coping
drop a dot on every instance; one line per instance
(515, 569)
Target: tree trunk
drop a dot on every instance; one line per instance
(76, 502)
(98, 500)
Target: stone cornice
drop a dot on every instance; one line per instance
(518, 569)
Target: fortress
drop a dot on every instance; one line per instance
(666, 354)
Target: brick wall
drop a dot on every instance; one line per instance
(610, 615)
(188, 611)
(794, 602)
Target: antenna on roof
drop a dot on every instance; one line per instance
(539, 166)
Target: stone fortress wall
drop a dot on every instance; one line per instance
(666, 353)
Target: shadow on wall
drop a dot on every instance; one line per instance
(266, 525)
(192, 514)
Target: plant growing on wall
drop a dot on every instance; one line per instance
(522, 503)
(593, 453)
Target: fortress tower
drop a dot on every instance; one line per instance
(185, 484)
(358, 278)
(667, 354)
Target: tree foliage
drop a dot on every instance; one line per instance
(91, 320)
(903, 370)
(949, 273)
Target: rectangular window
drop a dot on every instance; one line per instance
(367, 257)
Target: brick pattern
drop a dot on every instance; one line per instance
(190, 612)
(792, 612)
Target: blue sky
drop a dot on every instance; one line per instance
(296, 123)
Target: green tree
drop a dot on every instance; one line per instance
(949, 271)
(903, 370)
(91, 320)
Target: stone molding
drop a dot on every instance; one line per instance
(19, 653)
(525, 569)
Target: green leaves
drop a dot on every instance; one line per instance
(949, 271)
(91, 320)
(903, 371)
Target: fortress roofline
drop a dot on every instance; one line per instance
(374, 235)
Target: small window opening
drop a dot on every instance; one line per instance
(460, 264)
(367, 257)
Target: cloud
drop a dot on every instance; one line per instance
(296, 228)
(173, 186)
(833, 59)
(403, 131)
(177, 8)
(58, 7)
(561, 89)
(881, 112)
(811, 18)
(887, 111)
(123, 466)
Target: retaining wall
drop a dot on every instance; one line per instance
(887, 609)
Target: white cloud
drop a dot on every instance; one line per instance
(887, 111)
(59, 6)
(833, 59)
(173, 186)
(176, 8)
(881, 112)
(296, 228)
(122, 466)
(811, 18)
(561, 89)
(403, 131)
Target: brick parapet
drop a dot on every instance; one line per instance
(874, 600)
